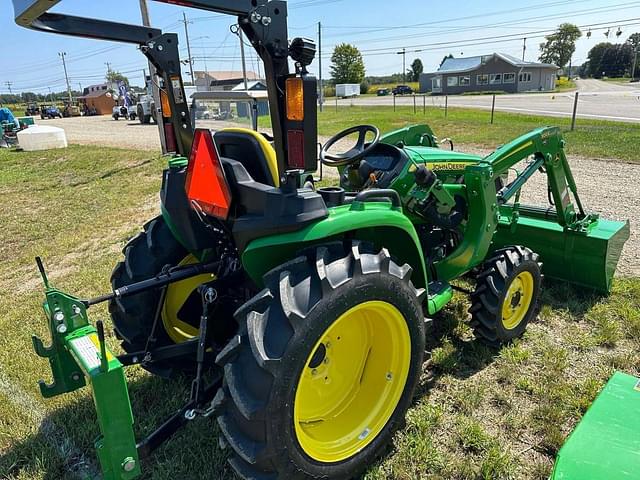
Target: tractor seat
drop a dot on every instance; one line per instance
(252, 150)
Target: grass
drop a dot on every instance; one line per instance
(616, 79)
(591, 138)
(478, 413)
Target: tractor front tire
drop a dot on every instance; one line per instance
(145, 256)
(324, 366)
(507, 295)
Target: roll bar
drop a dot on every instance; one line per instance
(264, 22)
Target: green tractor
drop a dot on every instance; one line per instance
(300, 313)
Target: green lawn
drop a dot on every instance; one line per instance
(478, 413)
(616, 80)
(591, 138)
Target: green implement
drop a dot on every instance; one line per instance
(605, 445)
(78, 356)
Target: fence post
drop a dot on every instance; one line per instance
(336, 103)
(424, 104)
(446, 105)
(575, 109)
(414, 103)
(493, 106)
(394, 102)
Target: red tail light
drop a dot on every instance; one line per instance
(206, 184)
(295, 141)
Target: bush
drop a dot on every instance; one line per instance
(364, 87)
(329, 91)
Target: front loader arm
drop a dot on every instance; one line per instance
(546, 145)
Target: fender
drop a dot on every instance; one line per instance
(375, 222)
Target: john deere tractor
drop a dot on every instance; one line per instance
(300, 313)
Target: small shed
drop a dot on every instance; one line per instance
(100, 100)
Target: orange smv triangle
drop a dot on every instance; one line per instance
(206, 185)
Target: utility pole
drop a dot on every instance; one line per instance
(186, 32)
(50, 95)
(404, 68)
(244, 65)
(524, 47)
(635, 62)
(80, 85)
(8, 84)
(64, 65)
(321, 93)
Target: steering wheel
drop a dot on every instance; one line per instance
(355, 153)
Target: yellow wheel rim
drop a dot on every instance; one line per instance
(517, 301)
(177, 295)
(352, 381)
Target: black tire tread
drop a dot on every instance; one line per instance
(252, 361)
(493, 278)
(145, 255)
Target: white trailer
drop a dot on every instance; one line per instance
(345, 90)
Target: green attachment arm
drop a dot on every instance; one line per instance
(79, 356)
(547, 145)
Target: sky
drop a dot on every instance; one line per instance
(428, 30)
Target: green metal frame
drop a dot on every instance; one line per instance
(78, 357)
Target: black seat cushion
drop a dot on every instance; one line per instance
(244, 148)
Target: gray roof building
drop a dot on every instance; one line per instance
(496, 71)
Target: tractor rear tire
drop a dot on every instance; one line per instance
(145, 256)
(288, 407)
(507, 295)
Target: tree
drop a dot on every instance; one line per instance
(560, 45)
(114, 77)
(634, 41)
(611, 60)
(416, 69)
(347, 65)
(445, 59)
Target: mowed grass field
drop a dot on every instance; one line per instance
(478, 412)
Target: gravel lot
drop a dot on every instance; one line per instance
(608, 188)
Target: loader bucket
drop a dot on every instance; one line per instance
(586, 258)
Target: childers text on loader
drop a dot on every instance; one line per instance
(300, 313)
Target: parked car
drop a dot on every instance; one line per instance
(383, 92)
(49, 111)
(202, 112)
(402, 90)
(32, 109)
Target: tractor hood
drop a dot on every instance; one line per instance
(439, 155)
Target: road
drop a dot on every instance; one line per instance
(596, 100)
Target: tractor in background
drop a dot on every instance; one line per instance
(300, 313)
